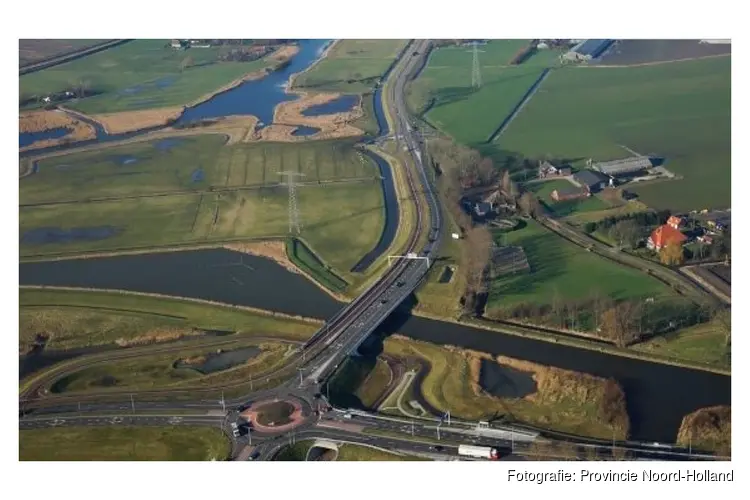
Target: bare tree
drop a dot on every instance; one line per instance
(672, 254)
(618, 323)
(529, 204)
(723, 319)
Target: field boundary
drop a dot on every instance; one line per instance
(70, 56)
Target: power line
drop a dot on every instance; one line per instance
(476, 69)
(294, 225)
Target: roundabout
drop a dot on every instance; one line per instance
(275, 415)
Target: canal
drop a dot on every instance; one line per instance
(658, 396)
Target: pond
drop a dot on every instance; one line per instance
(259, 97)
(303, 131)
(504, 381)
(28, 138)
(657, 396)
(219, 361)
(338, 105)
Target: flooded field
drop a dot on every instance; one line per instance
(29, 138)
(45, 235)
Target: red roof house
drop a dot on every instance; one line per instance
(663, 236)
(675, 222)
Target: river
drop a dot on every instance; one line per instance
(658, 396)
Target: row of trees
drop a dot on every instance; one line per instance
(640, 219)
(621, 322)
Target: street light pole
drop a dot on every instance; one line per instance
(223, 406)
(132, 403)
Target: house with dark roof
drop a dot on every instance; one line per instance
(546, 169)
(591, 180)
(663, 236)
(482, 208)
(569, 193)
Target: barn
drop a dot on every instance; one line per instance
(587, 50)
(622, 167)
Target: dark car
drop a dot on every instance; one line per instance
(437, 447)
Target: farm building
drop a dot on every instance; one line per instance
(591, 180)
(624, 166)
(569, 193)
(663, 236)
(717, 220)
(546, 169)
(587, 50)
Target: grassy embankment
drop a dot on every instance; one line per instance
(197, 191)
(588, 112)
(704, 344)
(123, 444)
(73, 319)
(347, 453)
(360, 382)
(174, 370)
(352, 67)
(140, 74)
(563, 400)
(444, 93)
(708, 429)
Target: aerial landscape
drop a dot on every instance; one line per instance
(374, 250)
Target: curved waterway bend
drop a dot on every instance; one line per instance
(658, 396)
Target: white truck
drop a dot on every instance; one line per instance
(486, 452)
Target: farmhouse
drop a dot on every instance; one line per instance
(546, 169)
(569, 193)
(591, 180)
(663, 236)
(717, 220)
(587, 50)
(624, 166)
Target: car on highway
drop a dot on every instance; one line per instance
(235, 430)
(437, 447)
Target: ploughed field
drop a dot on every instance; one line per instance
(679, 111)
(197, 190)
(31, 50)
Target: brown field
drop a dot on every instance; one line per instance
(288, 115)
(708, 429)
(33, 50)
(39, 121)
(129, 121)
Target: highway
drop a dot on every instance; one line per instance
(307, 371)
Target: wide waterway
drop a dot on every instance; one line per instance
(658, 396)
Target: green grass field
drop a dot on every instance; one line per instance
(86, 318)
(353, 453)
(568, 207)
(161, 371)
(165, 202)
(704, 343)
(679, 110)
(310, 263)
(471, 116)
(562, 268)
(138, 75)
(351, 66)
(123, 444)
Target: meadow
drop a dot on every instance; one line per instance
(138, 75)
(680, 111)
(560, 268)
(123, 444)
(443, 89)
(351, 66)
(199, 191)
